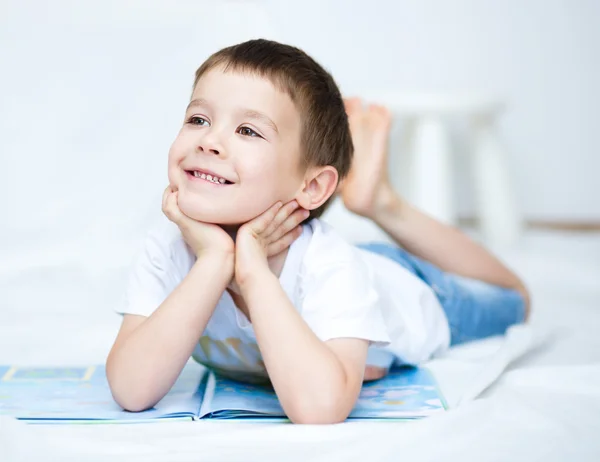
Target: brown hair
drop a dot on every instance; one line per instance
(325, 137)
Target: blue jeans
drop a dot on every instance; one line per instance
(475, 309)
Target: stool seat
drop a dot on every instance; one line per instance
(443, 104)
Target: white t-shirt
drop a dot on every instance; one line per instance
(338, 289)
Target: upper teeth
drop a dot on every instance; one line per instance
(204, 176)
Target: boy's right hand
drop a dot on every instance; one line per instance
(202, 238)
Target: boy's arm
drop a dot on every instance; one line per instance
(146, 360)
(316, 382)
(445, 246)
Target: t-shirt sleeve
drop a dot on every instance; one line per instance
(341, 302)
(152, 276)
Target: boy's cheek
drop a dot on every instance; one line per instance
(189, 207)
(173, 182)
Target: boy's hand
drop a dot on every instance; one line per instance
(203, 238)
(267, 235)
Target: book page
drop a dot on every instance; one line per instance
(82, 393)
(232, 399)
(406, 393)
(209, 393)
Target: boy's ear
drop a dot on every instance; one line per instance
(319, 184)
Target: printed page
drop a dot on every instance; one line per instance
(66, 394)
(209, 393)
(237, 400)
(406, 393)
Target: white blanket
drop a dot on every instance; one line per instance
(532, 395)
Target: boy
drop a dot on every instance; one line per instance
(234, 282)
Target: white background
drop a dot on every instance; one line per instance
(91, 96)
(93, 93)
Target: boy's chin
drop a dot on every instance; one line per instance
(208, 216)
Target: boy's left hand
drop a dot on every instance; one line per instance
(267, 235)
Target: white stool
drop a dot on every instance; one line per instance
(427, 158)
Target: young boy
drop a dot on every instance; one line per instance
(232, 280)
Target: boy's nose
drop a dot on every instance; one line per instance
(210, 143)
(208, 149)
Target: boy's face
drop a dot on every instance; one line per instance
(243, 130)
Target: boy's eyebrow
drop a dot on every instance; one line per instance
(197, 102)
(252, 114)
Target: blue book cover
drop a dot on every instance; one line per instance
(82, 395)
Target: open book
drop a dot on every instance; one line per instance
(81, 395)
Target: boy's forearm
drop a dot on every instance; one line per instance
(445, 246)
(307, 376)
(144, 367)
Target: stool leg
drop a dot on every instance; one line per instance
(431, 186)
(400, 157)
(499, 218)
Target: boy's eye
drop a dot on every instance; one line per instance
(246, 131)
(195, 120)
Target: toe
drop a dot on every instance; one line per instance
(381, 110)
(352, 105)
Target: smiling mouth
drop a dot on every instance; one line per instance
(198, 175)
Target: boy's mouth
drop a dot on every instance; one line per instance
(207, 176)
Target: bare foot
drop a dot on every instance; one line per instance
(374, 373)
(367, 186)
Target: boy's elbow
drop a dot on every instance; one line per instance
(132, 402)
(136, 407)
(126, 397)
(316, 417)
(328, 411)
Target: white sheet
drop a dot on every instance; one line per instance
(545, 406)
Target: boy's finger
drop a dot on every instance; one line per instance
(284, 242)
(171, 209)
(289, 223)
(284, 213)
(166, 193)
(260, 223)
